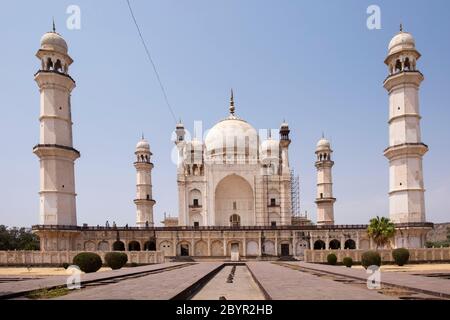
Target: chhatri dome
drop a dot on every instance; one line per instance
(143, 145)
(270, 148)
(323, 144)
(230, 132)
(401, 41)
(54, 42)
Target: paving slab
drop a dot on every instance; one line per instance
(10, 289)
(159, 286)
(428, 285)
(282, 283)
(242, 287)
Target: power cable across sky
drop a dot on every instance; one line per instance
(149, 56)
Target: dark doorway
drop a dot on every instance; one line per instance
(184, 250)
(150, 246)
(284, 249)
(334, 244)
(319, 245)
(235, 220)
(350, 244)
(134, 246)
(118, 246)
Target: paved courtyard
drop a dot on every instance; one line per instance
(255, 280)
(13, 285)
(282, 283)
(159, 286)
(429, 285)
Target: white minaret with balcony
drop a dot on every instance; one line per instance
(324, 199)
(55, 149)
(405, 151)
(144, 201)
(285, 179)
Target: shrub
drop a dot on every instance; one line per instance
(348, 262)
(438, 244)
(116, 260)
(370, 258)
(88, 261)
(332, 259)
(65, 265)
(401, 256)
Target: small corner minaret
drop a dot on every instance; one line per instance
(144, 201)
(325, 201)
(180, 142)
(55, 149)
(285, 141)
(406, 149)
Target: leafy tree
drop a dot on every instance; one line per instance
(381, 230)
(4, 238)
(27, 240)
(438, 244)
(441, 243)
(18, 239)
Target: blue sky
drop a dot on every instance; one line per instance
(314, 63)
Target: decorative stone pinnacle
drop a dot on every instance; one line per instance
(232, 109)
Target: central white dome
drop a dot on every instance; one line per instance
(230, 133)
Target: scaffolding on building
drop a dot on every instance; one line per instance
(295, 194)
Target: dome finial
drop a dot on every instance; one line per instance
(232, 109)
(401, 27)
(54, 27)
(142, 136)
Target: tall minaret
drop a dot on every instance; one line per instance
(144, 201)
(285, 179)
(55, 150)
(405, 151)
(285, 141)
(324, 200)
(180, 143)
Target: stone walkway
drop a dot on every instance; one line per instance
(243, 286)
(279, 281)
(15, 288)
(282, 283)
(433, 286)
(160, 286)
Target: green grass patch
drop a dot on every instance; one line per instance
(48, 293)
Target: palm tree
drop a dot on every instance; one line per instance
(381, 230)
